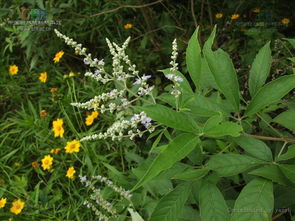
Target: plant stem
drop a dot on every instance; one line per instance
(283, 139)
(282, 149)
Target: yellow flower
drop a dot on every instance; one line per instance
(90, 118)
(55, 150)
(235, 16)
(35, 164)
(58, 128)
(43, 114)
(285, 21)
(2, 202)
(17, 164)
(218, 15)
(128, 26)
(43, 77)
(256, 10)
(73, 146)
(47, 162)
(17, 206)
(13, 69)
(58, 56)
(77, 52)
(70, 173)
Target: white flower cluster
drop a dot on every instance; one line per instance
(174, 57)
(100, 215)
(98, 198)
(100, 74)
(173, 77)
(104, 97)
(119, 128)
(116, 101)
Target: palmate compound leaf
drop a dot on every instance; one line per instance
(170, 118)
(212, 204)
(254, 147)
(289, 171)
(255, 202)
(191, 174)
(176, 150)
(171, 205)
(271, 172)
(193, 59)
(260, 69)
(230, 164)
(214, 127)
(270, 93)
(134, 215)
(224, 73)
(288, 155)
(286, 119)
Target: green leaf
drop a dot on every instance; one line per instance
(191, 174)
(286, 119)
(231, 164)
(255, 147)
(169, 117)
(205, 106)
(271, 93)
(288, 155)
(260, 69)
(134, 215)
(255, 202)
(209, 43)
(271, 172)
(212, 204)
(291, 41)
(193, 59)
(224, 73)
(179, 148)
(214, 128)
(171, 205)
(289, 171)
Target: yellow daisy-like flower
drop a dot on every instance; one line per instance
(47, 162)
(73, 146)
(256, 10)
(43, 77)
(43, 114)
(13, 69)
(58, 128)
(218, 15)
(55, 150)
(90, 118)
(70, 172)
(234, 16)
(285, 21)
(17, 206)
(58, 56)
(128, 26)
(2, 202)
